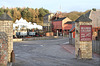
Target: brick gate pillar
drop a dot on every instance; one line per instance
(6, 25)
(83, 37)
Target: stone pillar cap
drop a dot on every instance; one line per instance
(5, 16)
(83, 18)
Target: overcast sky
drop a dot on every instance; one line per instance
(54, 5)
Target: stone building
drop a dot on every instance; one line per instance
(94, 15)
(6, 26)
(47, 22)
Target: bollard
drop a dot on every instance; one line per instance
(12, 56)
(79, 53)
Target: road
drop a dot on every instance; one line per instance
(47, 53)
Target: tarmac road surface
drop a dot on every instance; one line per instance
(47, 53)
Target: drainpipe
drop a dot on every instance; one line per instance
(57, 33)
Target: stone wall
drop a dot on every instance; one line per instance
(7, 27)
(3, 49)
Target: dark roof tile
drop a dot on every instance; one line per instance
(46, 14)
(59, 19)
(88, 13)
(70, 22)
(83, 18)
(5, 17)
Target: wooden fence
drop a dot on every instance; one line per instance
(95, 45)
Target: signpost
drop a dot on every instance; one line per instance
(85, 32)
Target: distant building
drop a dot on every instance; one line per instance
(94, 15)
(58, 25)
(57, 15)
(47, 22)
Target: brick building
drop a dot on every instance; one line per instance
(58, 25)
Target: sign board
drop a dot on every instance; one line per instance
(85, 32)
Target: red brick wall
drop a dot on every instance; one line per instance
(57, 25)
(67, 26)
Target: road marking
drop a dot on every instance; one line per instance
(41, 45)
(66, 43)
(24, 45)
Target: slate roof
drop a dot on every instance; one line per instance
(70, 22)
(60, 19)
(88, 13)
(5, 16)
(46, 14)
(83, 18)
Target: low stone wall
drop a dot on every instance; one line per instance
(49, 34)
(37, 38)
(14, 40)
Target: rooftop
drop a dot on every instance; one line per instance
(59, 19)
(47, 14)
(70, 22)
(83, 18)
(5, 16)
